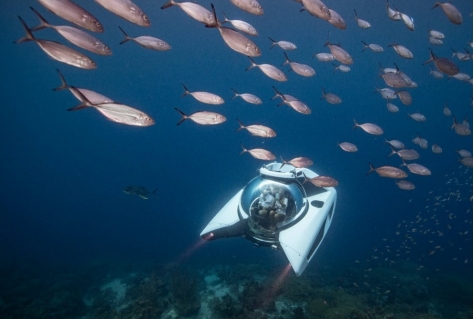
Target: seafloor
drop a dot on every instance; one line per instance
(104, 290)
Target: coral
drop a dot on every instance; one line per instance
(186, 296)
(226, 307)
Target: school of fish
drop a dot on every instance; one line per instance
(236, 34)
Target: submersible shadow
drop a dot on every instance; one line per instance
(277, 209)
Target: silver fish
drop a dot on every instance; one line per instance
(406, 154)
(127, 10)
(202, 117)
(435, 41)
(204, 97)
(402, 51)
(467, 161)
(269, 70)
(392, 14)
(298, 162)
(285, 45)
(450, 11)
(417, 117)
(408, 21)
(394, 79)
(464, 153)
(342, 67)
(298, 68)
(71, 12)
(388, 171)
(258, 153)
(247, 97)
(116, 112)
(443, 65)
(147, 42)
(405, 185)
(436, 34)
(435, 148)
(374, 47)
(392, 107)
(59, 52)
(74, 35)
(361, 23)
(257, 130)
(387, 93)
(251, 6)
(241, 26)
(348, 147)
(395, 143)
(324, 57)
(330, 97)
(417, 169)
(317, 9)
(461, 55)
(339, 53)
(239, 43)
(460, 128)
(446, 110)
(436, 74)
(405, 97)
(336, 20)
(195, 11)
(292, 102)
(321, 181)
(369, 128)
(91, 96)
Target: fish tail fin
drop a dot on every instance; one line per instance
(252, 65)
(183, 116)
(126, 36)
(225, 17)
(244, 150)
(218, 23)
(242, 126)
(277, 94)
(372, 168)
(287, 61)
(63, 85)
(43, 23)
(355, 124)
(436, 5)
(84, 101)
(306, 179)
(170, 3)
(186, 92)
(335, 67)
(78, 107)
(273, 42)
(432, 57)
(29, 36)
(393, 151)
(323, 93)
(283, 162)
(454, 122)
(365, 46)
(155, 192)
(403, 162)
(235, 94)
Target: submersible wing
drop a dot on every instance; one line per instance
(277, 209)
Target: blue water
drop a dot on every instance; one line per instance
(63, 172)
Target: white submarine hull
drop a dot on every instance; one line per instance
(278, 209)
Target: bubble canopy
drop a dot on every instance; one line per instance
(271, 203)
(262, 184)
